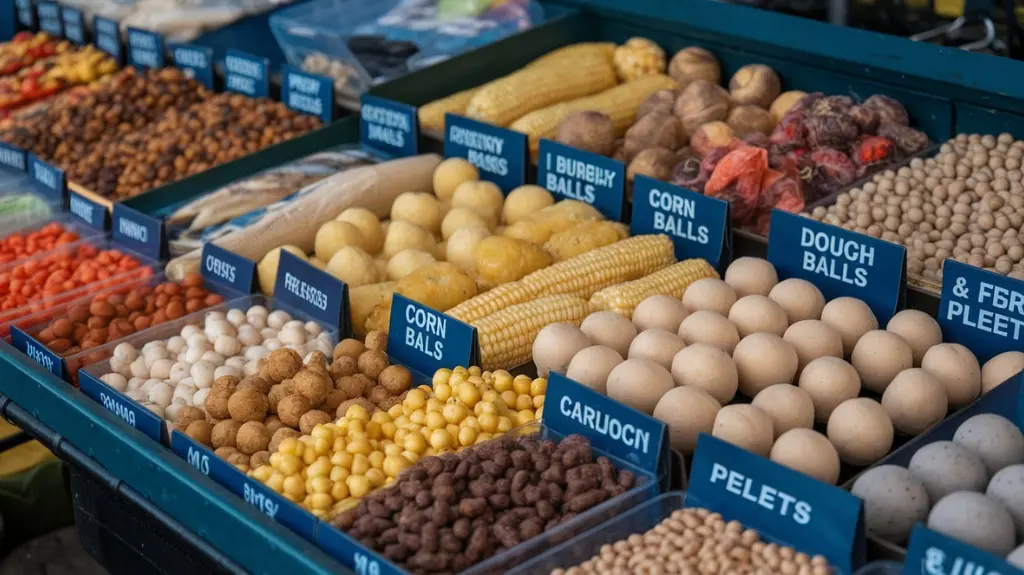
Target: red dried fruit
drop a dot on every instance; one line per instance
(791, 131)
(741, 208)
(687, 169)
(744, 167)
(831, 131)
(707, 167)
(908, 140)
(832, 170)
(872, 150)
(784, 194)
(867, 119)
(889, 110)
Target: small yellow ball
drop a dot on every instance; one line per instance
(539, 386)
(441, 376)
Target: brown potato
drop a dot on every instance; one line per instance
(653, 131)
(750, 119)
(755, 85)
(654, 163)
(699, 103)
(710, 136)
(694, 63)
(661, 101)
(587, 130)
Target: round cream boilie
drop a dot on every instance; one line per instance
(639, 383)
(808, 452)
(829, 381)
(787, 405)
(711, 294)
(749, 275)
(706, 367)
(801, 299)
(812, 338)
(659, 311)
(861, 431)
(878, 356)
(757, 313)
(915, 401)
(851, 317)
(919, 329)
(745, 426)
(609, 329)
(762, 360)
(556, 345)
(591, 367)
(1001, 368)
(688, 411)
(709, 327)
(957, 369)
(657, 345)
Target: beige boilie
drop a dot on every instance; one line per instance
(695, 541)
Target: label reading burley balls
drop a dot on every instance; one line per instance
(697, 224)
(138, 232)
(499, 153)
(308, 93)
(13, 157)
(145, 49)
(26, 13)
(387, 128)
(612, 427)
(246, 74)
(107, 37)
(353, 554)
(841, 263)
(142, 419)
(574, 174)
(312, 291)
(74, 28)
(195, 61)
(226, 268)
(49, 19)
(932, 553)
(50, 180)
(427, 340)
(37, 352)
(981, 310)
(782, 504)
(92, 213)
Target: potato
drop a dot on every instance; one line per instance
(363, 299)
(660, 102)
(587, 130)
(419, 208)
(694, 63)
(353, 266)
(523, 201)
(750, 119)
(654, 163)
(334, 235)
(529, 230)
(266, 271)
(461, 218)
(653, 131)
(583, 237)
(461, 246)
(710, 136)
(784, 102)
(450, 174)
(318, 263)
(407, 261)
(439, 286)
(755, 85)
(369, 228)
(403, 235)
(484, 198)
(500, 259)
(699, 103)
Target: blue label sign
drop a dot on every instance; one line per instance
(314, 292)
(145, 49)
(981, 310)
(37, 352)
(107, 37)
(195, 61)
(308, 93)
(698, 224)
(266, 500)
(352, 554)
(223, 267)
(579, 175)
(499, 153)
(74, 29)
(612, 427)
(49, 19)
(51, 180)
(428, 340)
(388, 128)
(246, 74)
(91, 212)
(931, 553)
(786, 505)
(138, 232)
(840, 262)
(26, 13)
(13, 157)
(130, 412)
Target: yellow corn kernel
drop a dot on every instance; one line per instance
(569, 53)
(671, 281)
(506, 337)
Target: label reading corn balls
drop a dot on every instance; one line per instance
(697, 224)
(427, 340)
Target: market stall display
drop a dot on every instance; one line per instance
(46, 78)
(26, 49)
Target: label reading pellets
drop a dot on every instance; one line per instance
(125, 409)
(195, 61)
(578, 175)
(145, 49)
(223, 267)
(107, 37)
(932, 553)
(387, 128)
(312, 291)
(499, 153)
(49, 19)
(785, 505)
(697, 224)
(74, 28)
(981, 310)
(839, 262)
(13, 158)
(308, 93)
(90, 212)
(49, 180)
(246, 74)
(427, 340)
(138, 232)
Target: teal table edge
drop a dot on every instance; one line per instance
(208, 510)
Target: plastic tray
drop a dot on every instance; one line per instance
(69, 222)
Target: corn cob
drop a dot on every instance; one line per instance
(574, 51)
(431, 116)
(619, 103)
(505, 100)
(506, 337)
(580, 276)
(671, 281)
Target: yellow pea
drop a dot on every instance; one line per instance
(488, 422)
(416, 399)
(395, 464)
(522, 402)
(290, 465)
(411, 456)
(521, 384)
(471, 421)
(440, 376)
(376, 459)
(320, 468)
(395, 411)
(289, 446)
(360, 465)
(320, 485)
(358, 485)
(320, 501)
(435, 420)
(538, 401)
(388, 429)
(525, 416)
(294, 487)
(373, 430)
(276, 482)
(376, 477)
(418, 417)
(339, 491)
(440, 439)
(504, 424)
(338, 474)
(309, 456)
(275, 459)
(467, 436)
(469, 393)
(262, 473)
(342, 459)
(356, 411)
(442, 391)
(539, 386)
(415, 443)
(323, 432)
(509, 397)
(359, 445)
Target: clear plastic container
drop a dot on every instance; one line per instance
(67, 221)
(21, 204)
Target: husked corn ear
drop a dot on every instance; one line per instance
(619, 103)
(580, 276)
(506, 337)
(503, 101)
(431, 116)
(573, 51)
(671, 281)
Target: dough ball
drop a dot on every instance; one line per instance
(1007, 487)
(332, 236)
(851, 317)
(1001, 368)
(762, 360)
(957, 369)
(450, 174)
(461, 247)
(830, 381)
(974, 519)
(419, 208)
(484, 198)
(993, 438)
(688, 411)
(523, 202)
(945, 467)
(639, 383)
(710, 294)
(460, 219)
(609, 329)
(812, 338)
(749, 275)
(657, 345)
(556, 345)
(745, 426)
(789, 407)
(709, 327)
(706, 367)
(406, 262)
(591, 367)
(919, 329)
(894, 500)
(800, 298)
(659, 311)
(861, 431)
(915, 401)
(756, 313)
(369, 227)
(878, 356)
(808, 452)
